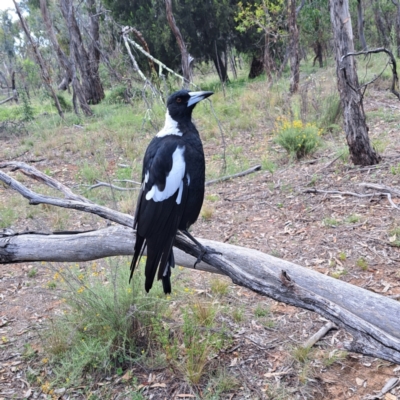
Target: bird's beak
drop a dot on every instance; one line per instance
(195, 97)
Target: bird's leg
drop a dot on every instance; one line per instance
(203, 249)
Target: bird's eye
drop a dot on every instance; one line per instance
(178, 100)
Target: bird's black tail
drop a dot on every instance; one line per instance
(161, 258)
(140, 244)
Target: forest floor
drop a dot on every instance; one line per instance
(353, 239)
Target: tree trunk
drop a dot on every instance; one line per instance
(187, 59)
(375, 326)
(360, 25)
(43, 69)
(256, 68)
(68, 64)
(268, 64)
(397, 25)
(220, 67)
(86, 62)
(294, 48)
(14, 88)
(356, 129)
(317, 47)
(380, 25)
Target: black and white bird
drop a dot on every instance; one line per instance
(172, 190)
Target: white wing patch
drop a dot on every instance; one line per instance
(174, 179)
(170, 127)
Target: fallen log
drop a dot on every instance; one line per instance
(373, 320)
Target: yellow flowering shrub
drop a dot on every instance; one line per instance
(296, 137)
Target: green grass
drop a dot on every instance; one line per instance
(107, 326)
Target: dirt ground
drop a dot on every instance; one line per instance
(270, 212)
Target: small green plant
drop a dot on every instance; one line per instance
(342, 256)
(219, 286)
(89, 173)
(332, 222)
(7, 217)
(238, 314)
(26, 107)
(32, 273)
(353, 218)
(394, 237)
(212, 197)
(343, 153)
(297, 138)
(301, 354)
(395, 169)
(339, 273)
(268, 165)
(261, 311)
(362, 263)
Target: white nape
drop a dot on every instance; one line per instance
(174, 179)
(170, 127)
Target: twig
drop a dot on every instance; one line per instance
(239, 174)
(388, 195)
(315, 191)
(382, 188)
(127, 181)
(319, 335)
(100, 184)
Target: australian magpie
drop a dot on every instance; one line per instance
(172, 190)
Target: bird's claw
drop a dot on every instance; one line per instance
(205, 250)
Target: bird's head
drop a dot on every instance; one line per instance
(181, 104)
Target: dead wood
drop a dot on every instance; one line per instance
(7, 100)
(239, 174)
(319, 335)
(360, 195)
(375, 326)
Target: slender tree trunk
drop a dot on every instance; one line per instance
(360, 25)
(66, 63)
(397, 4)
(318, 53)
(79, 91)
(187, 71)
(96, 89)
(86, 63)
(220, 66)
(294, 48)
(268, 65)
(43, 69)
(356, 129)
(14, 88)
(380, 24)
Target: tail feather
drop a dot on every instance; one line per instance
(158, 256)
(140, 244)
(166, 276)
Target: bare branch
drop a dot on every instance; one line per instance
(239, 174)
(392, 62)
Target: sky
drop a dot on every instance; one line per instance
(6, 4)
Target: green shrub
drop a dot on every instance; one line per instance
(297, 138)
